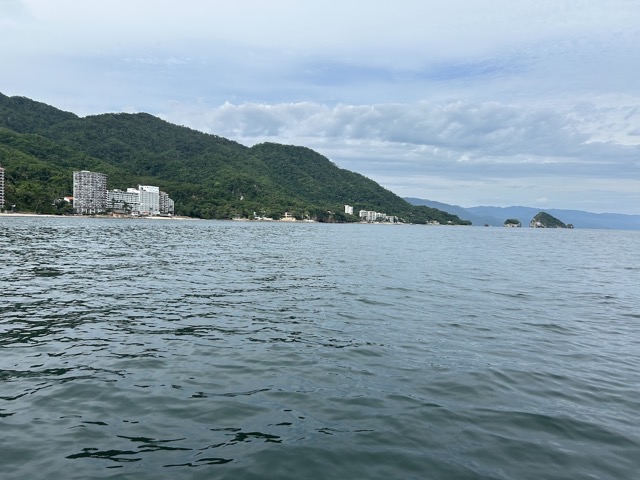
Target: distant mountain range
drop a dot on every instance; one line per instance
(495, 216)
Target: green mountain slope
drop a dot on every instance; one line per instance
(208, 176)
(23, 115)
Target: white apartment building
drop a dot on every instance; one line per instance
(149, 200)
(124, 202)
(145, 200)
(1, 187)
(371, 216)
(89, 192)
(348, 209)
(167, 206)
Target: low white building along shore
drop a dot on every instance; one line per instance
(125, 202)
(146, 200)
(376, 217)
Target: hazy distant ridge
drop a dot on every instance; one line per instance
(495, 216)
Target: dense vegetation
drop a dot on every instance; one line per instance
(207, 176)
(544, 220)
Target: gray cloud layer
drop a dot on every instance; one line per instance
(488, 132)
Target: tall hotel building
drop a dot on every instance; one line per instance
(89, 192)
(167, 206)
(1, 187)
(149, 200)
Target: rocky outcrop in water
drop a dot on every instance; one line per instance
(512, 222)
(544, 220)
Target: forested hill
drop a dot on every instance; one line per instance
(208, 176)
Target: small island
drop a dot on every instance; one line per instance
(512, 222)
(544, 220)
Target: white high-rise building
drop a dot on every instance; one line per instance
(89, 192)
(166, 204)
(149, 200)
(1, 187)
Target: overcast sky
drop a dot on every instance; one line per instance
(468, 102)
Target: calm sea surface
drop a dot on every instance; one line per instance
(198, 349)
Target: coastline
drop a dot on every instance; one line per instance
(45, 215)
(175, 217)
(106, 217)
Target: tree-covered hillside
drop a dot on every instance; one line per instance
(207, 176)
(544, 220)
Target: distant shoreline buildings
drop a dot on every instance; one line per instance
(1, 188)
(91, 196)
(370, 216)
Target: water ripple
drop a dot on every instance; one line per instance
(242, 350)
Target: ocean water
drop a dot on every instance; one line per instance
(199, 349)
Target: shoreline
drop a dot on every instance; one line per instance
(106, 217)
(182, 218)
(45, 215)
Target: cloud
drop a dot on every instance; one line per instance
(489, 131)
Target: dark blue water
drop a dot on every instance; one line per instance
(166, 349)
